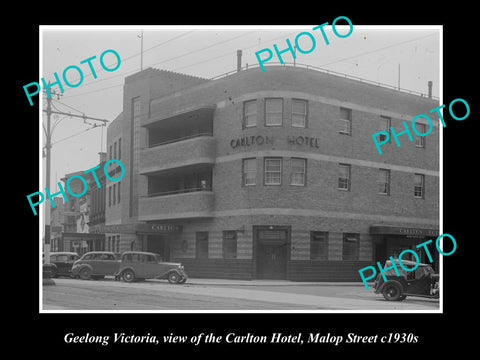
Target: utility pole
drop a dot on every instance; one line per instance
(141, 51)
(48, 137)
(48, 145)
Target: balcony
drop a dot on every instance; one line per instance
(184, 204)
(198, 149)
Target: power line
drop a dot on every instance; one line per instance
(167, 60)
(379, 49)
(129, 58)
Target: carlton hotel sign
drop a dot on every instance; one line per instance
(253, 140)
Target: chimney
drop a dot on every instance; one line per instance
(430, 83)
(239, 60)
(103, 157)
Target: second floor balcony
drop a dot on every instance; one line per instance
(196, 150)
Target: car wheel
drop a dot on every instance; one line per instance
(85, 274)
(183, 280)
(128, 276)
(392, 292)
(173, 278)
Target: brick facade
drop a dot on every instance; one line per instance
(196, 178)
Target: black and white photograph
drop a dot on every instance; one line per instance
(202, 176)
(280, 186)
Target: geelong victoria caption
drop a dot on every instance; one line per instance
(84, 182)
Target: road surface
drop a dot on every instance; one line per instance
(197, 295)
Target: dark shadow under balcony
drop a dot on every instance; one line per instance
(178, 204)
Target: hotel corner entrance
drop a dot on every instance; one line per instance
(271, 251)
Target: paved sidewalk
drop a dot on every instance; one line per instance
(232, 282)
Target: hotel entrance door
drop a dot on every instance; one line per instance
(159, 244)
(272, 245)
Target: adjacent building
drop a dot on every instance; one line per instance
(269, 175)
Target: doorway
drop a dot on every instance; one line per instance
(271, 252)
(159, 244)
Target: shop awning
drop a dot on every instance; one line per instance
(401, 230)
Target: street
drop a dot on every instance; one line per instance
(209, 294)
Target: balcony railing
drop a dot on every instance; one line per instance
(180, 139)
(180, 191)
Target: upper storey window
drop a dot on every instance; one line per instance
(250, 113)
(345, 121)
(273, 112)
(299, 113)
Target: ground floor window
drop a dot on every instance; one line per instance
(229, 245)
(201, 242)
(318, 245)
(350, 246)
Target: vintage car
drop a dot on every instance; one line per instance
(422, 282)
(62, 263)
(137, 265)
(95, 265)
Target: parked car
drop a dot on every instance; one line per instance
(95, 265)
(62, 263)
(422, 282)
(137, 265)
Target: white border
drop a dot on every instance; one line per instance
(231, 27)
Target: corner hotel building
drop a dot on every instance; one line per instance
(270, 175)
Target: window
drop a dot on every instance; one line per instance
(384, 182)
(114, 194)
(119, 148)
(419, 187)
(420, 140)
(350, 246)
(273, 171)
(345, 121)
(202, 245)
(344, 177)
(385, 123)
(273, 112)
(115, 150)
(299, 167)
(118, 192)
(249, 172)
(250, 113)
(109, 196)
(318, 245)
(299, 113)
(118, 243)
(110, 152)
(229, 245)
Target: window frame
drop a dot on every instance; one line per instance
(421, 138)
(348, 167)
(244, 118)
(387, 193)
(320, 256)
(348, 120)
(281, 112)
(244, 178)
(200, 254)
(422, 186)
(305, 120)
(265, 160)
(356, 255)
(225, 249)
(292, 159)
(388, 119)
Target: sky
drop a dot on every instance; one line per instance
(371, 52)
